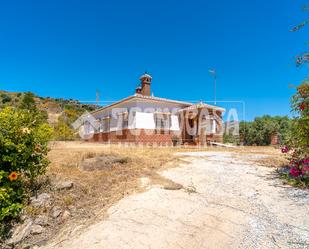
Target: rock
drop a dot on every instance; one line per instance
(6, 246)
(41, 220)
(36, 229)
(66, 214)
(172, 186)
(64, 185)
(21, 232)
(103, 162)
(26, 247)
(56, 211)
(145, 182)
(42, 200)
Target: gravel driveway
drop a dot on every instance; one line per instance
(232, 203)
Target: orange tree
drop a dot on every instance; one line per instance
(23, 150)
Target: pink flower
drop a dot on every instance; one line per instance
(305, 170)
(302, 106)
(295, 172)
(306, 160)
(285, 149)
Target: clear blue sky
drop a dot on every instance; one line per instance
(71, 48)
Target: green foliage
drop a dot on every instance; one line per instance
(63, 130)
(28, 101)
(23, 150)
(301, 181)
(260, 131)
(230, 139)
(5, 98)
(299, 136)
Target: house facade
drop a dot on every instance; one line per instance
(142, 118)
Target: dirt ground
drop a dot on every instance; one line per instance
(226, 200)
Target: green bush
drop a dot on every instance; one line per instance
(298, 145)
(260, 130)
(63, 130)
(5, 98)
(23, 150)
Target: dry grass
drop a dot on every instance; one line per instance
(273, 161)
(95, 191)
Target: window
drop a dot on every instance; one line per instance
(125, 120)
(162, 121)
(105, 124)
(125, 123)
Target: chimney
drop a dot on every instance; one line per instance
(145, 83)
(138, 90)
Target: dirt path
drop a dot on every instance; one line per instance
(236, 205)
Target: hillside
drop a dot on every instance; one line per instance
(54, 107)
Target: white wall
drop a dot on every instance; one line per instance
(144, 121)
(143, 117)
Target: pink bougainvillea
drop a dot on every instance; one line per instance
(298, 142)
(294, 171)
(305, 170)
(302, 106)
(285, 149)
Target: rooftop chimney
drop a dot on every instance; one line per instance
(138, 90)
(145, 83)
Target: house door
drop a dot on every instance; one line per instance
(188, 131)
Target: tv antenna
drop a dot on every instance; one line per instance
(97, 97)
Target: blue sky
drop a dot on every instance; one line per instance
(71, 48)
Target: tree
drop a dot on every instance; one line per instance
(5, 98)
(63, 129)
(260, 131)
(298, 143)
(23, 157)
(299, 137)
(28, 101)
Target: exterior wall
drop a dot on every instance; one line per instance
(113, 114)
(141, 124)
(136, 136)
(275, 139)
(140, 114)
(214, 138)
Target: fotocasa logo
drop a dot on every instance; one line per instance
(86, 125)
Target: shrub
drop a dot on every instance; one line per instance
(5, 98)
(298, 144)
(260, 130)
(63, 130)
(23, 150)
